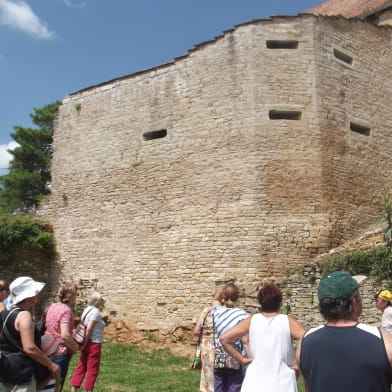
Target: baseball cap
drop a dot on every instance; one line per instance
(339, 284)
(386, 295)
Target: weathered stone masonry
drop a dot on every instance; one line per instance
(242, 160)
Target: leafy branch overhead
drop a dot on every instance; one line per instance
(28, 179)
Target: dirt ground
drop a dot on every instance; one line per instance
(180, 342)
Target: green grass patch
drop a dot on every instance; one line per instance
(127, 368)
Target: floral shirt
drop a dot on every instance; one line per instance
(56, 315)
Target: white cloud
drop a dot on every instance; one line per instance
(19, 15)
(5, 156)
(73, 3)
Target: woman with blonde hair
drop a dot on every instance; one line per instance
(224, 317)
(59, 323)
(90, 358)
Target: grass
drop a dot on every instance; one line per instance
(127, 368)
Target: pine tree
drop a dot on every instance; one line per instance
(28, 178)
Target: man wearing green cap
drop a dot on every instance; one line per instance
(344, 355)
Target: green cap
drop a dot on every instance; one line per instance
(337, 284)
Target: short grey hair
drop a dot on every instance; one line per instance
(94, 298)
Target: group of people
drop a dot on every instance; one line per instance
(27, 346)
(341, 355)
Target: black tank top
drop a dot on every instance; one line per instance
(345, 359)
(5, 344)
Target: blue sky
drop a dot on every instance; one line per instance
(50, 48)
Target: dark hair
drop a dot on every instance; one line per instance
(376, 295)
(230, 293)
(270, 298)
(336, 308)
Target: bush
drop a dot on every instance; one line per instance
(376, 263)
(23, 232)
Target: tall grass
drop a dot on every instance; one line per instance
(130, 369)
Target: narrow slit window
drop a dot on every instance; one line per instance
(155, 134)
(285, 115)
(362, 129)
(282, 44)
(346, 58)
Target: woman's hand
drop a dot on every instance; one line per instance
(246, 361)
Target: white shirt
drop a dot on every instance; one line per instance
(386, 319)
(91, 313)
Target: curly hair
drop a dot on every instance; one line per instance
(270, 298)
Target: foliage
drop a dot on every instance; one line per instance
(17, 232)
(29, 171)
(376, 262)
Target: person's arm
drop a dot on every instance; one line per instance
(245, 342)
(25, 325)
(296, 328)
(237, 332)
(67, 338)
(296, 332)
(388, 344)
(89, 331)
(298, 357)
(197, 329)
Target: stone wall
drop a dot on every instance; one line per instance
(231, 163)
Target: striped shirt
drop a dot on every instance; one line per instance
(226, 318)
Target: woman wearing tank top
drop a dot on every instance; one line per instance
(272, 366)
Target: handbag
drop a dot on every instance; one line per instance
(196, 364)
(16, 368)
(223, 360)
(40, 325)
(79, 335)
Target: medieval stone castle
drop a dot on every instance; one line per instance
(242, 160)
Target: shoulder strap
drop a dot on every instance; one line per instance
(7, 333)
(202, 327)
(84, 318)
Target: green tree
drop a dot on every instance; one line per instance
(28, 178)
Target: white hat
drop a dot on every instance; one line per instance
(49, 344)
(24, 287)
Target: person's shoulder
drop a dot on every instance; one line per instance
(313, 330)
(91, 311)
(388, 310)
(58, 306)
(242, 312)
(369, 329)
